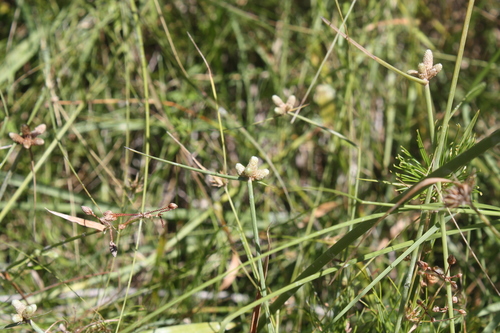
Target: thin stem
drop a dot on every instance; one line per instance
(449, 291)
(32, 165)
(414, 257)
(244, 240)
(145, 81)
(214, 92)
(380, 61)
(430, 113)
(126, 171)
(451, 96)
(258, 252)
(187, 167)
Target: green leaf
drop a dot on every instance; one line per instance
(19, 56)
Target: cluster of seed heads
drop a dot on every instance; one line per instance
(460, 194)
(433, 275)
(28, 137)
(251, 171)
(106, 219)
(436, 274)
(24, 312)
(281, 107)
(426, 69)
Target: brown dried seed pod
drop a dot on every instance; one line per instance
(29, 138)
(88, 210)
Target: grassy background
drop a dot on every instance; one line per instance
(73, 65)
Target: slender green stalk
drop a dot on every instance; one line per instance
(414, 257)
(416, 252)
(440, 150)
(169, 38)
(449, 105)
(243, 238)
(390, 116)
(127, 124)
(258, 252)
(187, 167)
(145, 81)
(6, 111)
(449, 291)
(430, 111)
(284, 34)
(214, 92)
(377, 59)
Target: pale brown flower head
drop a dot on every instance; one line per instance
(251, 170)
(282, 107)
(29, 138)
(459, 195)
(88, 210)
(426, 69)
(109, 216)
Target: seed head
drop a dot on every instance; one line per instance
(251, 170)
(428, 59)
(426, 69)
(28, 137)
(88, 210)
(283, 108)
(24, 312)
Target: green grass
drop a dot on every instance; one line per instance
(318, 244)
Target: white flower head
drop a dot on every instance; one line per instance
(251, 170)
(24, 312)
(282, 107)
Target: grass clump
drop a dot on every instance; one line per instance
(357, 212)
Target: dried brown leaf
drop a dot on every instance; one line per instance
(80, 221)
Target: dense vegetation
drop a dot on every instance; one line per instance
(351, 230)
